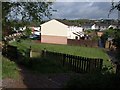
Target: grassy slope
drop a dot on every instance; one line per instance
(46, 66)
(73, 50)
(9, 69)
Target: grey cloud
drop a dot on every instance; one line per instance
(74, 10)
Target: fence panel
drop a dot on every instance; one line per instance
(76, 63)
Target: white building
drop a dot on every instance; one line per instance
(35, 30)
(75, 32)
(112, 26)
(94, 27)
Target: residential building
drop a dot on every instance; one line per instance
(58, 31)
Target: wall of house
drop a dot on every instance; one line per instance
(53, 39)
(54, 28)
(54, 32)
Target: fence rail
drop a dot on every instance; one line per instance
(76, 63)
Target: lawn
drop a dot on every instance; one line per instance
(73, 50)
(45, 66)
(9, 69)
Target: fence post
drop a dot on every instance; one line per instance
(44, 53)
(101, 64)
(91, 65)
(29, 52)
(64, 55)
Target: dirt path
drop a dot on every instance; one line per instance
(29, 79)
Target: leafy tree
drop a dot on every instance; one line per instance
(28, 32)
(108, 33)
(27, 11)
(114, 6)
(117, 34)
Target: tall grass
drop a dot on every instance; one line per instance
(9, 69)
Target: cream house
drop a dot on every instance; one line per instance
(54, 31)
(58, 31)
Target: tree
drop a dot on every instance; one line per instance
(113, 7)
(25, 12)
(117, 34)
(28, 32)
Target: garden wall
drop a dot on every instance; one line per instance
(87, 43)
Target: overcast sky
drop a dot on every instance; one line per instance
(83, 10)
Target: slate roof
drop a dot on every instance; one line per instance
(68, 23)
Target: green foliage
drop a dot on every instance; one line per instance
(117, 43)
(88, 31)
(29, 11)
(114, 33)
(108, 33)
(117, 38)
(9, 69)
(95, 38)
(95, 80)
(28, 32)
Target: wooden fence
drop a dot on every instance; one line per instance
(86, 43)
(76, 63)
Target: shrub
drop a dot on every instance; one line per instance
(95, 80)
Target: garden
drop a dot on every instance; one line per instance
(67, 49)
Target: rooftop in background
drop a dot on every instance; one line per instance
(88, 22)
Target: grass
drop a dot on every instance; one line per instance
(45, 66)
(9, 69)
(73, 50)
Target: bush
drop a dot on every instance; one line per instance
(97, 80)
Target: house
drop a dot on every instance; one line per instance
(86, 26)
(112, 26)
(75, 32)
(99, 27)
(58, 31)
(94, 27)
(35, 30)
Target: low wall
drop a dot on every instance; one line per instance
(87, 43)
